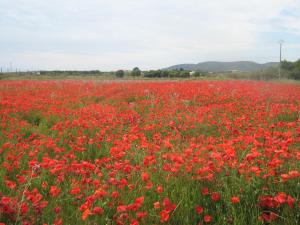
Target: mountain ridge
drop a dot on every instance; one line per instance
(218, 66)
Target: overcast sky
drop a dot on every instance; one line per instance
(151, 34)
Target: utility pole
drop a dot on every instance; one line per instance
(280, 54)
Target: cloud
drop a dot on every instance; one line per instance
(150, 34)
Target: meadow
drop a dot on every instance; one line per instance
(142, 152)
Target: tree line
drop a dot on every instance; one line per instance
(288, 70)
(291, 69)
(136, 72)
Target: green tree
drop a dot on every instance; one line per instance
(120, 73)
(136, 72)
(184, 73)
(165, 73)
(286, 65)
(292, 69)
(196, 74)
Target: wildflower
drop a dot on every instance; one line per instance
(141, 215)
(114, 194)
(97, 210)
(199, 210)
(207, 218)
(121, 208)
(57, 210)
(280, 198)
(168, 205)
(134, 222)
(149, 185)
(54, 191)
(58, 221)
(10, 184)
(145, 176)
(75, 191)
(215, 196)
(139, 201)
(85, 214)
(156, 205)
(164, 216)
(268, 217)
(235, 200)
(159, 189)
(290, 201)
(205, 191)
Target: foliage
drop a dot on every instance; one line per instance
(167, 73)
(69, 73)
(120, 73)
(292, 69)
(197, 74)
(136, 72)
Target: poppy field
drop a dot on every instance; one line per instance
(190, 152)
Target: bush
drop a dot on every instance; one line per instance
(136, 72)
(120, 73)
(292, 69)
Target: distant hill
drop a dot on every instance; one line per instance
(224, 66)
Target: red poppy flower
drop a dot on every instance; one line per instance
(156, 205)
(54, 191)
(85, 214)
(207, 218)
(235, 199)
(205, 191)
(97, 210)
(159, 189)
(164, 216)
(145, 176)
(75, 191)
(199, 210)
(215, 196)
(280, 198)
